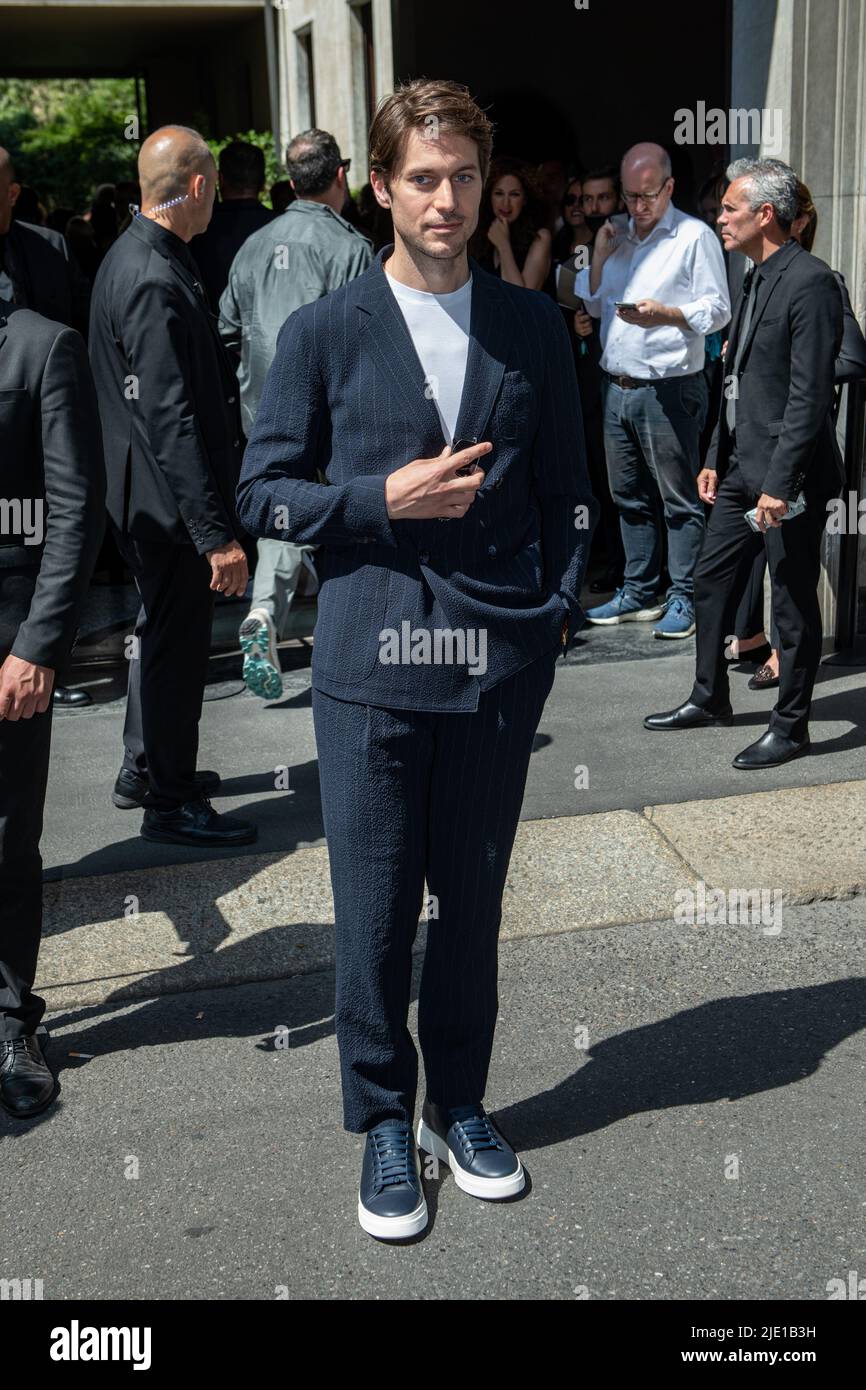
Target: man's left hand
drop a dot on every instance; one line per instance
(25, 689)
(648, 313)
(769, 511)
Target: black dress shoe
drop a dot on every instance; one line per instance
(689, 716)
(27, 1086)
(71, 699)
(197, 823)
(770, 750)
(130, 789)
(764, 678)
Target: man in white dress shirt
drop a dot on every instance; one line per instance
(659, 288)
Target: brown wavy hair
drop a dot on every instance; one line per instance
(417, 105)
(806, 208)
(534, 214)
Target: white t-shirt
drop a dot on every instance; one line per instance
(439, 327)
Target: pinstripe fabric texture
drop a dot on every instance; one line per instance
(346, 400)
(409, 795)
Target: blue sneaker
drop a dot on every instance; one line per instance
(678, 621)
(623, 609)
(482, 1161)
(391, 1203)
(258, 639)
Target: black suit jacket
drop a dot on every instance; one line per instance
(785, 437)
(51, 466)
(168, 396)
(851, 362)
(46, 277)
(215, 249)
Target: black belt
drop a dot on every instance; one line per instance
(631, 383)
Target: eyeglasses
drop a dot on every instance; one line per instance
(648, 198)
(345, 164)
(570, 199)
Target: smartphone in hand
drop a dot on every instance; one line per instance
(456, 447)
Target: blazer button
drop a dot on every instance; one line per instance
(491, 550)
(232, 400)
(237, 443)
(424, 557)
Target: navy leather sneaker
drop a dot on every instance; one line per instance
(483, 1163)
(391, 1201)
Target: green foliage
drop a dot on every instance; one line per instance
(67, 136)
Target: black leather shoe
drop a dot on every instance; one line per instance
(770, 750)
(463, 1136)
(689, 716)
(27, 1086)
(71, 699)
(391, 1201)
(196, 823)
(130, 789)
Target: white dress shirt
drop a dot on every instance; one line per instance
(679, 264)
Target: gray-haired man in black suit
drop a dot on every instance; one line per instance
(774, 443)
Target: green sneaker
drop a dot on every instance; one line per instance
(258, 639)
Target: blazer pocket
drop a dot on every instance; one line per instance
(774, 427)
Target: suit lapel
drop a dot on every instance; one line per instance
(485, 363)
(766, 286)
(386, 338)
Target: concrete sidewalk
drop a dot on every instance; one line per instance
(148, 932)
(615, 822)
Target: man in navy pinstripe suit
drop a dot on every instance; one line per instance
(450, 579)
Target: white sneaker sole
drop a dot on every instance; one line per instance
(491, 1189)
(392, 1227)
(641, 615)
(676, 636)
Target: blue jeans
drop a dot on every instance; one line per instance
(651, 436)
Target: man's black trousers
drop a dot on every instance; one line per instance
(793, 555)
(25, 745)
(167, 679)
(409, 796)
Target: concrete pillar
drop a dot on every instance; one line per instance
(338, 72)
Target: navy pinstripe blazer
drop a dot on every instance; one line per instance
(346, 398)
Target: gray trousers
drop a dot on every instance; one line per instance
(278, 569)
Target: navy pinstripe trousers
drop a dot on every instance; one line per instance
(409, 795)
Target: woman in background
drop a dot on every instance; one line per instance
(512, 239)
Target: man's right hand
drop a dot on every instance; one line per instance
(605, 241)
(228, 569)
(708, 485)
(428, 488)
